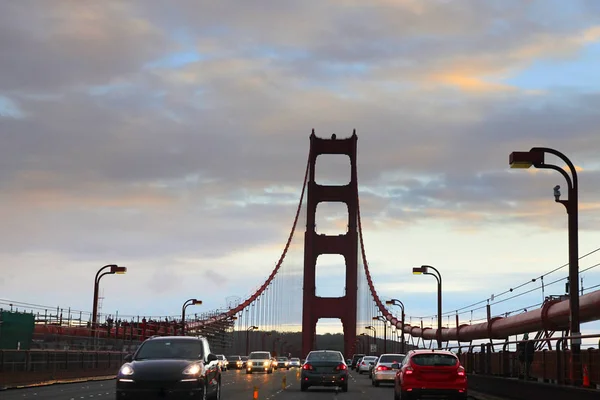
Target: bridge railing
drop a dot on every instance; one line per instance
(550, 365)
(25, 367)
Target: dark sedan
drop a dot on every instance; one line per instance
(324, 368)
(170, 367)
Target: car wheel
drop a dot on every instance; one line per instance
(375, 383)
(248, 372)
(404, 395)
(345, 388)
(217, 395)
(303, 387)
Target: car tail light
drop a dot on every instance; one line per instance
(307, 367)
(383, 368)
(341, 367)
(363, 363)
(408, 371)
(461, 371)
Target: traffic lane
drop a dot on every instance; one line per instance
(236, 384)
(67, 391)
(363, 382)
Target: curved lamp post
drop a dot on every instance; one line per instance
(372, 328)
(113, 269)
(190, 302)
(382, 319)
(397, 302)
(252, 328)
(424, 270)
(535, 158)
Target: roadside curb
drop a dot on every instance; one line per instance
(59, 382)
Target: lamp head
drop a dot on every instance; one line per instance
(525, 159)
(115, 269)
(196, 302)
(389, 302)
(419, 270)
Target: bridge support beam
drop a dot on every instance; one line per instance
(345, 307)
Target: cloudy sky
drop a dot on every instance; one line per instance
(171, 137)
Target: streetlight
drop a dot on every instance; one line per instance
(252, 328)
(535, 157)
(190, 302)
(372, 328)
(424, 270)
(382, 318)
(397, 302)
(114, 269)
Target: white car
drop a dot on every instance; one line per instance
(382, 370)
(365, 364)
(260, 361)
(295, 363)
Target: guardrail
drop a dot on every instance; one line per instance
(27, 367)
(500, 372)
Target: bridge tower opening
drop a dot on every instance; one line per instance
(344, 307)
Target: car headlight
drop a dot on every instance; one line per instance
(192, 369)
(126, 370)
(266, 363)
(249, 363)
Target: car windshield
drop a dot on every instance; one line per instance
(220, 357)
(369, 358)
(324, 356)
(244, 358)
(281, 358)
(391, 359)
(174, 349)
(434, 360)
(295, 359)
(259, 356)
(233, 358)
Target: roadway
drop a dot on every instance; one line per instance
(237, 385)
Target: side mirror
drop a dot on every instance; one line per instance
(395, 366)
(211, 357)
(128, 358)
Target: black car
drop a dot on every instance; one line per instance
(171, 367)
(355, 359)
(235, 362)
(324, 368)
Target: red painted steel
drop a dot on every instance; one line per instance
(555, 315)
(315, 307)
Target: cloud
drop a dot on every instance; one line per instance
(178, 136)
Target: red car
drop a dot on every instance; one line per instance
(430, 372)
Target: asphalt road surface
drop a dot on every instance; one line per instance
(237, 385)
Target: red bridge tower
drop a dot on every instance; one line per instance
(314, 307)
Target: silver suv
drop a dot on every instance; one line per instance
(259, 361)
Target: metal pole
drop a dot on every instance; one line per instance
(572, 211)
(95, 303)
(384, 336)
(403, 350)
(571, 205)
(439, 329)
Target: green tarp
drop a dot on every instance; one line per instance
(16, 330)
